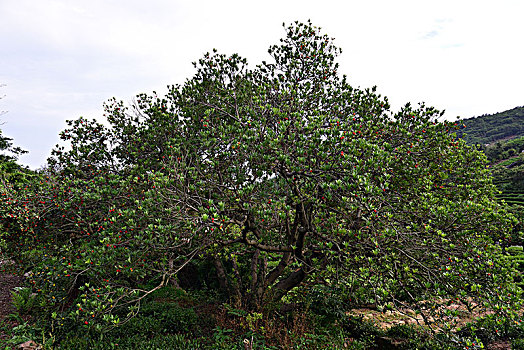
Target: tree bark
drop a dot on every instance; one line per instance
(221, 274)
(254, 270)
(261, 286)
(236, 285)
(290, 282)
(277, 271)
(254, 301)
(173, 280)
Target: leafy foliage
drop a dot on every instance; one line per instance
(23, 300)
(505, 150)
(11, 174)
(506, 158)
(9, 154)
(283, 177)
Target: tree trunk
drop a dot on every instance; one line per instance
(221, 274)
(254, 270)
(290, 282)
(173, 280)
(236, 285)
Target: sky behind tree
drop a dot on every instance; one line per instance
(62, 59)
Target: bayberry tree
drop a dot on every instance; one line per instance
(285, 177)
(317, 181)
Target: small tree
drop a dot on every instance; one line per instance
(12, 175)
(9, 153)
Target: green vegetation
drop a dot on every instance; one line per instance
(11, 173)
(278, 198)
(10, 170)
(516, 256)
(505, 153)
(488, 129)
(173, 319)
(505, 150)
(506, 156)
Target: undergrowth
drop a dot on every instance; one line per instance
(172, 319)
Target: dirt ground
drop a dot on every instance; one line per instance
(393, 318)
(8, 281)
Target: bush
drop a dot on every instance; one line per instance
(134, 342)
(160, 318)
(517, 344)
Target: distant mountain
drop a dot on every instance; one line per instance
(490, 128)
(501, 137)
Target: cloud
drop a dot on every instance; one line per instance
(63, 59)
(430, 34)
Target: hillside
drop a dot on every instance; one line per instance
(490, 128)
(501, 137)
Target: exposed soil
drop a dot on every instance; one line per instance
(388, 319)
(403, 316)
(499, 345)
(8, 281)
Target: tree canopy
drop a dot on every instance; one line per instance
(9, 154)
(282, 177)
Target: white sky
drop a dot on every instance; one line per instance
(62, 59)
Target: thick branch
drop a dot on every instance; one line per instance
(277, 271)
(290, 282)
(254, 269)
(268, 248)
(221, 274)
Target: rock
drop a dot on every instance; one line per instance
(411, 321)
(7, 262)
(29, 345)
